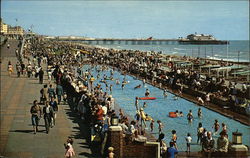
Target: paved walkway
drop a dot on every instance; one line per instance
(16, 138)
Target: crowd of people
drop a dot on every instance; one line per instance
(97, 107)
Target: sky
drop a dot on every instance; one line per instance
(225, 20)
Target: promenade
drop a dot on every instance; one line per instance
(16, 138)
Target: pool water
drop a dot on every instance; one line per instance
(158, 109)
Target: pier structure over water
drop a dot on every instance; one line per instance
(111, 41)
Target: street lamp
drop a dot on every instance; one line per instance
(114, 121)
(237, 137)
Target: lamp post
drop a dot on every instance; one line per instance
(114, 121)
(237, 138)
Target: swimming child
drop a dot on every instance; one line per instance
(123, 84)
(144, 104)
(190, 116)
(177, 113)
(181, 114)
(199, 113)
(139, 86)
(147, 93)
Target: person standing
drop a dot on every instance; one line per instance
(10, 68)
(40, 74)
(23, 68)
(36, 113)
(137, 103)
(160, 126)
(190, 116)
(69, 148)
(29, 70)
(54, 105)
(48, 115)
(51, 92)
(44, 94)
(18, 69)
(174, 138)
(199, 113)
(188, 140)
(163, 145)
(200, 131)
(152, 125)
(216, 126)
(59, 93)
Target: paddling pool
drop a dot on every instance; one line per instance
(159, 110)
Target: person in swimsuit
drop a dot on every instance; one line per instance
(199, 113)
(174, 138)
(216, 126)
(190, 116)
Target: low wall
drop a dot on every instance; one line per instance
(126, 148)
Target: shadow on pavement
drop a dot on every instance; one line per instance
(86, 154)
(22, 131)
(83, 132)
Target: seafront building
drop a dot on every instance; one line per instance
(11, 30)
(4, 27)
(16, 30)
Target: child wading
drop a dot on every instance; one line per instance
(188, 140)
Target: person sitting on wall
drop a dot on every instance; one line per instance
(222, 145)
(208, 145)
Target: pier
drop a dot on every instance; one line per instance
(111, 41)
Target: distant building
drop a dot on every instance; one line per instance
(200, 37)
(4, 27)
(16, 30)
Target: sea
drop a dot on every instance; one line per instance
(236, 50)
